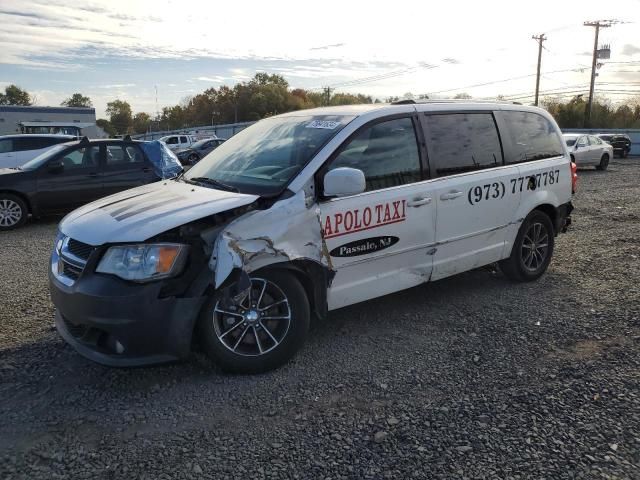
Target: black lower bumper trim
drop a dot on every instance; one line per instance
(110, 360)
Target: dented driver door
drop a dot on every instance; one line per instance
(379, 240)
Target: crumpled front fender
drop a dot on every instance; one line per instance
(289, 230)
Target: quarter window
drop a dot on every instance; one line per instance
(462, 142)
(386, 152)
(532, 137)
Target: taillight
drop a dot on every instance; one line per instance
(573, 170)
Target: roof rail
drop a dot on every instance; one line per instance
(84, 140)
(127, 138)
(451, 100)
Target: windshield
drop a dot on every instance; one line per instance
(571, 141)
(43, 157)
(264, 157)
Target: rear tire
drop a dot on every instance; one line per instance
(532, 249)
(13, 212)
(239, 342)
(625, 153)
(604, 162)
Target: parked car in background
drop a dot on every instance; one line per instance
(18, 149)
(621, 142)
(588, 150)
(178, 142)
(69, 175)
(200, 149)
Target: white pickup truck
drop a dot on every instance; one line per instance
(178, 142)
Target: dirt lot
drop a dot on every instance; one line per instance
(470, 377)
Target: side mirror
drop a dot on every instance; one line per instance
(55, 166)
(343, 181)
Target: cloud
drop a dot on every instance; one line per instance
(216, 79)
(327, 47)
(630, 50)
(117, 85)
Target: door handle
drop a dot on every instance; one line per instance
(419, 201)
(146, 169)
(451, 195)
(92, 175)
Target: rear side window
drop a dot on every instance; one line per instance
(6, 145)
(532, 137)
(462, 142)
(183, 139)
(123, 155)
(35, 143)
(387, 153)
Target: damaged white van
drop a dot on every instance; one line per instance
(304, 213)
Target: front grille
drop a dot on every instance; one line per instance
(79, 249)
(71, 271)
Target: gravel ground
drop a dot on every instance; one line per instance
(470, 377)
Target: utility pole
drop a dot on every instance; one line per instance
(539, 38)
(598, 24)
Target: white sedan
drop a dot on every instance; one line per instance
(588, 150)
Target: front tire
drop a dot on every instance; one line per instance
(193, 159)
(13, 212)
(532, 249)
(604, 162)
(262, 331)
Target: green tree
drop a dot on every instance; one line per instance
(77, 100)
(14, 95)
(141, 122)
(105, 124)
(120, 116)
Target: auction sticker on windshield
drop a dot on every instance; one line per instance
(328, 124)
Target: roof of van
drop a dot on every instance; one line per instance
(454, 104)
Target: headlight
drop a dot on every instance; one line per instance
(144, 262)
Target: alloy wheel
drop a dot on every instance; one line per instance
(257, 324)
(10, 213)
(535, 247)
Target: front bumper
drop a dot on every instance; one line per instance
(121, 324)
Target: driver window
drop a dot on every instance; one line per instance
(386, 152)
(85, 157)
(582, 142)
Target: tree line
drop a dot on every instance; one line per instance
(269, 94)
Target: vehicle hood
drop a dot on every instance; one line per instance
(141, 213)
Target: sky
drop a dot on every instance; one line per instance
(120, 49)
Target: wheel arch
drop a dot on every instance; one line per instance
(314, 277)
(21, 196)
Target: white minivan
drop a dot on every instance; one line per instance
(304, 213)
(16, 150)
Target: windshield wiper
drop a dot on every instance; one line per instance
(214, 183)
